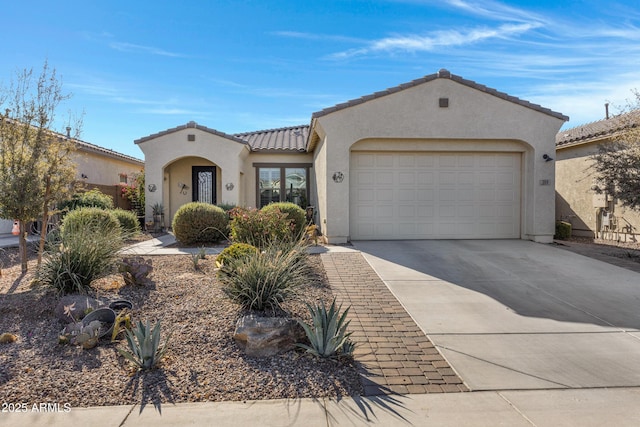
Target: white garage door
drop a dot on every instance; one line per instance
(429, 195)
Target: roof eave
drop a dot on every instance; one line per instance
(442, 74)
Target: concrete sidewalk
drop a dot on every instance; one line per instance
(586, 407)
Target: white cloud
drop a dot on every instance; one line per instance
(136, 48)
(495, 10)
(319, 37)
(437, 39)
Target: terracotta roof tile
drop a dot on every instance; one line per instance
(292, 138)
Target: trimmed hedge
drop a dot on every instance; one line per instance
(88, 199)
(259, 227)
(128, 221)
(295, 214)
(198, 222)
(91, 219)
(563, 230)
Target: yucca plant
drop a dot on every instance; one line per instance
(144, 344)
(327, 333)
(264, 280)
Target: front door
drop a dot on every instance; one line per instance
(203, 179)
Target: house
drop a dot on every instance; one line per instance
(98, 167)
(439, 157)
(591, 212)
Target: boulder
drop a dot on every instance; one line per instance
(79, 310)
(266, 336)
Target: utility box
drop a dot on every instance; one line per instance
(599, 200)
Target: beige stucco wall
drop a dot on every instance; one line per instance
(169, 158)
(101, 169)
(170, 153)
(574, 197)
(473, 121)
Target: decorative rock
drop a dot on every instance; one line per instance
(82, 303)
(267, 336)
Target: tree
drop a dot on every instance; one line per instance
(617, 163)
(35, 163)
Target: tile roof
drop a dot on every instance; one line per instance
(292, 138)
(442, 74)
(598, 129)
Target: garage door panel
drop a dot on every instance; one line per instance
(435, 195)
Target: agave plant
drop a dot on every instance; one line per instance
(144, 344)
(328, 332)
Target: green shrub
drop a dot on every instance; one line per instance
(295, 214)
(128, 221)
(198, 222)
(563, 230)
(327, 332)
(263, 280)
(259, 228)
(83, 252)
(234, 252)
(88, 199)
(94, 219)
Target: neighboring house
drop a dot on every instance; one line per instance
(98, 167)
(577, 201)
(440, 157)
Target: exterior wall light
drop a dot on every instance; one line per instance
(547, 158)
(229, 186)
(338, 177)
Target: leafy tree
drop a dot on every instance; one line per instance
(617, 163)
(36, 164)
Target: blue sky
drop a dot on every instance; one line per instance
(140, 67)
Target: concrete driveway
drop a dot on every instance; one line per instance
(513, 314)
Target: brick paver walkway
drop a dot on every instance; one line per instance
(393, 353)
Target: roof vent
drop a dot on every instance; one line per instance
(191, 124)
(444, 73)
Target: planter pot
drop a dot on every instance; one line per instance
(105, 315)
(120, 304)
(158, 222)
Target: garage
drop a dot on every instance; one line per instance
(435, 195)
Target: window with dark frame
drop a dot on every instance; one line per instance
(282, 183)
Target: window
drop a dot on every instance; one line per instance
(282, 183)
(123, 178)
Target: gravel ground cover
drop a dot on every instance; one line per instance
(203, 362)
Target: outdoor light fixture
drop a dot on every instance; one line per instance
(152, 187)
(84, 176)
(229, 186)
(338, 177)
(547, 158)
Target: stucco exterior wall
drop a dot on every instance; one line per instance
(574, 196)
(162, 152)
(103, 170)
(472, 116)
